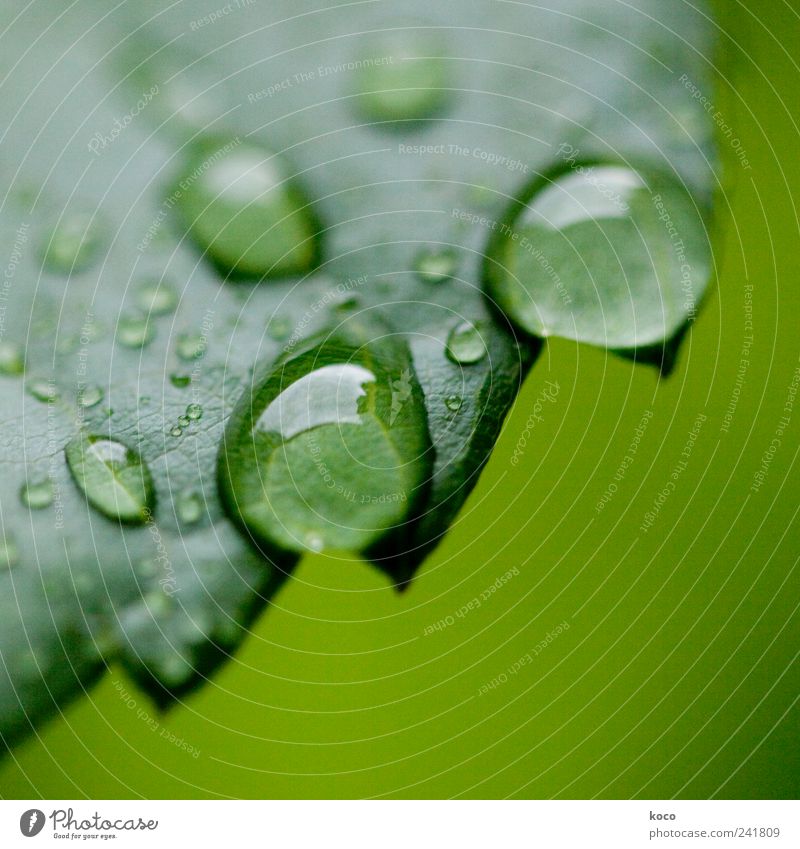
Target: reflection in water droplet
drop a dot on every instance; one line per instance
(190, 346)
(194, 412)
(410, 82)
(183, 421)
(453, 403)
(180, 381)
(176, 431)
(331, 449)
(12, 359)
(465, 344)
(189, 507)
(248, 213)
(90, 396)
(42, 389)
(602, 254)
(113, 477)
(74, 243)
(279, 328)
(434, 267)
(37, 495)
(135, 331)
(156, 298)
(9, 553)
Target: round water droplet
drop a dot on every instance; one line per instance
(348, 304)
(113, 477)
(90, 396)
(156, 298)
(42, 389)
(601, 254)
(434, 267)
(465, 344)
(180, 381)
(135, 331)
(279, 328)
(410, 80)
(244, 208)
(189, 506)
(37, 495)
(453, 403)
(330, 450)
(183, 421)
(9, 553)
(74, 243)
(176, 431)
(194, 412)
(12, 359)
(190, 346)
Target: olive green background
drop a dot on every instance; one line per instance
(678, 674)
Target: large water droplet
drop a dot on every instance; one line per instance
(190, 346)
(42, 389)
(245, 209)
(12, 359)
(189, 507)
(602, 254)
(155, 298)
(194, 412)
(465, 344)
(37, 495)
(330, 450)
(113, 477)
(453, 403)
(135, 331)
(403, 76)
(436, 266)
(90, 396)
(74, 243)
(180, 381)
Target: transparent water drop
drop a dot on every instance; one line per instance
(135, 331)
(43, 389)
(247, 212)
(12, 359)
(114, 478)
(176, 431)
(436, 266)
(453, 403)
(37, 495)
(90, 396)
(73, 244)
(279, 328)
(411, 80)
(602, 254)
(156, 298)
(465, 344)
(330, 449)
(194, 412)
(180, 381)
(184, 421)
(189, 507)
(190, 346)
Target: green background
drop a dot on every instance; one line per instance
(678, 675)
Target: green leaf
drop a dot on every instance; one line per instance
(118, 307)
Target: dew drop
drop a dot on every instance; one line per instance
(156, 298)
(194, 412)
(183, 421)
(37, 495)
(189, 507)
(42, 389)
(90, 396)
(180, 381)
(453, 403)
(12, 359)
(411, 84)
(114, 478)
(246, 210)
(176, 431)
(330, 450)
(73, 244)
(190, 346)
(434, 267)
(135, 331)
(602, 254)
(9, 553)
(465, 344)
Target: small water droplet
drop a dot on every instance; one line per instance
(279, 328)
(176, 431)
(90, 396)
(42, 389)
(434, 267)
(9, 553)
(12, 359)
(194, 412)
(114, 478)
(453, 403)
(190, 346)
(248, 213)
(156, 298)
(183, 421)
(74, 243)
(180, 381)
(411, 82)
(135, 331)
(37, 495)
(189, 507)
(465, 344)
